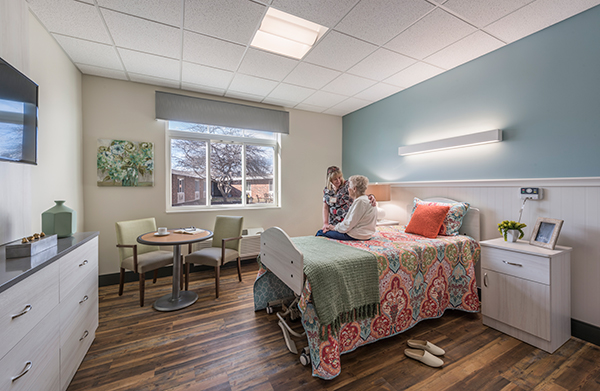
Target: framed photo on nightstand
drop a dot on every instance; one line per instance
(545, 233)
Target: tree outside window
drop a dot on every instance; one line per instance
(240, 163)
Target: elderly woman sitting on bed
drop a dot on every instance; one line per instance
(360, 222)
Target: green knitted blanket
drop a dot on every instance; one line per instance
(344, 282)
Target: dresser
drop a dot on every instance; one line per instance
(48, 314)
(526, 291)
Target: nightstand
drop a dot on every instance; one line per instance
(526, 292)
(387, 222)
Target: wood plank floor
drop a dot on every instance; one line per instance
(224, 345)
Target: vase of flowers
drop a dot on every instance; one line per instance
(511, 230)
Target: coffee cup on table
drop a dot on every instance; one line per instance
(162, 230)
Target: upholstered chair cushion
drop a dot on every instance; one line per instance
(149, 261)
(211, 256)
(128, 232)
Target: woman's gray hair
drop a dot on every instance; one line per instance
(359, 183)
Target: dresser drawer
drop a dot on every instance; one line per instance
(526, 266)
(38, 352)
(76, 264)
(76, 344)
(78, 304)
(33, 298)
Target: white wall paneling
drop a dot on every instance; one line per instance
(574, 200)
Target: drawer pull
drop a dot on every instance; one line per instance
(485, 278)
(83, 263)
(28, 365)
(27, 308)
(85, 334)
(85, 298)
(513, 264)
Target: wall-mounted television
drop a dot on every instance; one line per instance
(18, 116)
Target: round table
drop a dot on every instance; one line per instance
(178, 299)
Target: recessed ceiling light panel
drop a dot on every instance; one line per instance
(287, 34)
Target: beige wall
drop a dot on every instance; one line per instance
(27, 190)
(58, 174)
(116, 109)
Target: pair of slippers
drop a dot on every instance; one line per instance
(425, 352)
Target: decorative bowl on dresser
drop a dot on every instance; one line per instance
(526, 291)
(48, 314)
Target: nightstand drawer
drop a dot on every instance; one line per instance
(526, 266)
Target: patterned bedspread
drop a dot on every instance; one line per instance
(419, 279)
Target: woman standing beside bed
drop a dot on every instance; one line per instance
(336, 200)
(361, 219)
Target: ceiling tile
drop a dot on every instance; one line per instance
(156, 81)
(378, 92)
(72, 18)
(324, 99)
(347, 106)
(430, 34)
(149, 64)
(164, 11)
(244, 96)
(205, 76)
(484, 12)
(252, 85)
(414, 75)
(290, 93)
(311, 76)
(378, 21)
(467, 49)
(339, 51)
(233, 20)
(97, 71)
(279, 102)
(381, 64)
(324, 12)
(348, 85)
(203, 89)
(142, 35)
(87, 52)
(537, 16)
(266, 65)
(210, 51)
(306, 107)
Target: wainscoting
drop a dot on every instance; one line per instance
(574, 200)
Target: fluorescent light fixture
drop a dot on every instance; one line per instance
(287, 34)
(490, 136)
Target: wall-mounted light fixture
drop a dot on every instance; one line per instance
(382, 193)
(490, 136)
(287, 34)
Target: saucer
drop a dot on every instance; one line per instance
(157, 234)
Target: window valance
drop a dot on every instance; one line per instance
(174, 107)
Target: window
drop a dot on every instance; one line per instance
(234, 167)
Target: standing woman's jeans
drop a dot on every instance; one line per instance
(335, 235)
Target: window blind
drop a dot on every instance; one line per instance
(174, 107)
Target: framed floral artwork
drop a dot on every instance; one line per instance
(125, 163)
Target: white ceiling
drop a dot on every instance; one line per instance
(373, 48)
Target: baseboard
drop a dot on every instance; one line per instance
(113, 278)
(587, 332)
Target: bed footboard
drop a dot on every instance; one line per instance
(279, 254)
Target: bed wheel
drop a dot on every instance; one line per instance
(270, 310)
(305, 359)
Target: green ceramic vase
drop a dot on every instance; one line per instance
(60, 220)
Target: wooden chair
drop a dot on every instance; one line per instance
(136, 257)
(225, 248)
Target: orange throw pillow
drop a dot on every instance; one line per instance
(427, 220)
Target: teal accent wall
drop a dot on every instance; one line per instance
(543, 91)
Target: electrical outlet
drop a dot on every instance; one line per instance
(532, 193)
